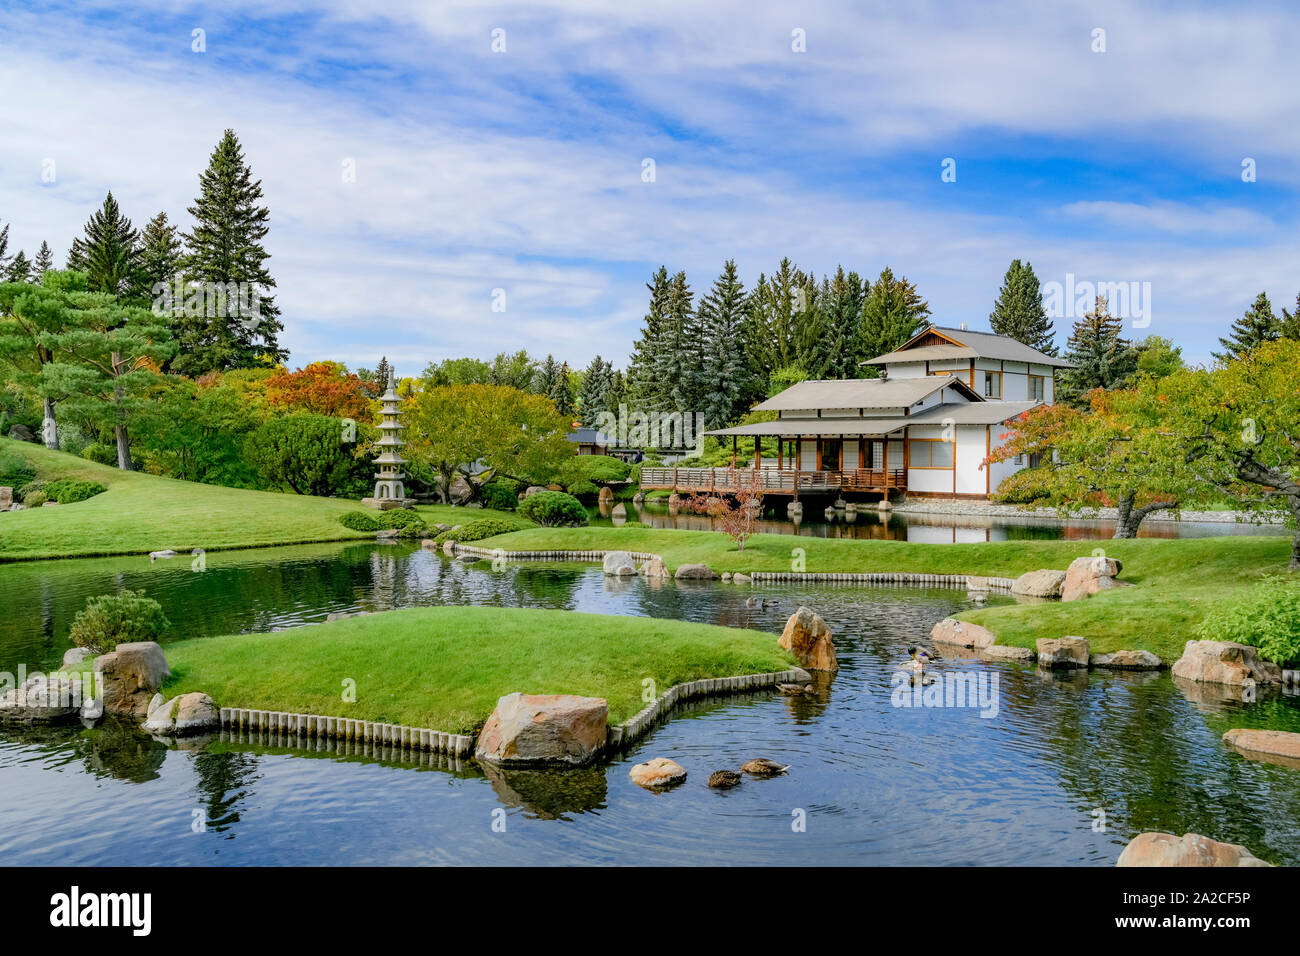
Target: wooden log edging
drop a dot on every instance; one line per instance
(314, 726)
(635, 727)
(826, 577)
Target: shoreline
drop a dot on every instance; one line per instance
(992, 510)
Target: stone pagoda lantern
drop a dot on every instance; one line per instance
(389, 490)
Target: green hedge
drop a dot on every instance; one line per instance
(481, 528)
(500, 495)
(553, 509)
(407, 522)
(68, 491)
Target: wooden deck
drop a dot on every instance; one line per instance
(774, 481)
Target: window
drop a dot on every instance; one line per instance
(1019, 461)
(929, 453)
(1037, 390)
(992, 384)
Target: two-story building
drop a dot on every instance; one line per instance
(924, 427)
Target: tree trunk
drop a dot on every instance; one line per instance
(50, 429)
(123, 448)
(1130, 518)
(1250, 470)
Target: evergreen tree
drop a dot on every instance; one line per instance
(677, 355)
(44, 261)
(160, 256)
(782, 320)
(892, 312)
(594, 395)
(840, 304)
(224, 247)
(561, 392)
(513, 370)
(1019, 312)
(1257, 326)
(1102, 357)
(383, 374)
(1289, 325)
(643, 387)
(546, 376)
(728, 384)
(20, 269)
(108, 253)
(4, 249)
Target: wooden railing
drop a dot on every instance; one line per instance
(772, 480)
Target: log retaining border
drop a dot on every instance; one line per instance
(242, 720)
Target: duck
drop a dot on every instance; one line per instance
(762, 767)
(156, 555)
(724, 779)
(919, 657)
(797, 690)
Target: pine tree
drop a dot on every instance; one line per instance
(677, 355)
(728, 383)
(1289, 325)
(545, 377)
(594, 394)
(383, 374)
(224, 247)
(108, 253)
(20, 269)
(1019, 312)
(840, 303)
(892, 312)
(644, 388)
(4, 249)
(561, 392)
(44, 261)
(160, 256)
(1257, 326)
(781, 311)
(1102, 357)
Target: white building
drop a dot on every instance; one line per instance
(926, 426)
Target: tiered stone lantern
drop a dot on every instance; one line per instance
(389, 490)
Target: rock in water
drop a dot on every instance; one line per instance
(961, 634)
(1191, 849)
(654, 568)
(796, 690)
(182, 716)
(695, 571)
(132, 674)
(532, 729)
(808, 638)
(724, 779)
(657, 773)
(619, 563)
(1063, 652)
(762, 767)
(1086, 576)
(42, 700)
(1224, 662)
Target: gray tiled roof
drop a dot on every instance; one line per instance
(973, 345)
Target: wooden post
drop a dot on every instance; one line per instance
(734, 449)
(758, 454)
(674, 477)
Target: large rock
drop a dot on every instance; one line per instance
(961, 634)
(74, 657)
(1191, 849)
(1224, 662)
(654, 568)
(527, 729)
(42, 699)
(1063, 652)
(638, 499)
(131, 675)
(22, 433)
(1128, 661)
(606, 496)
(657, 773)
(181, 716)
(695, 571)
(1005, 652)
(533, 489)
(6, 497)
(460, 491)
(1275, 746)
(1086, 576)
(1044, 583)
(808, 638)
(619, 563)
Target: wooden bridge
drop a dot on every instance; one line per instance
(774, 481)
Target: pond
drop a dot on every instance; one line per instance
(1065, 771)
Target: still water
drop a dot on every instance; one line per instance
(1065, 772)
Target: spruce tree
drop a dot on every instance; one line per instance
(545, 377)
(1018, 311)
(781, 310)
(840, 304)
(644, 388)
(383, 374)
(1289, 325)
(594, 393)
(108, 251)
(43, 262)
(160, 256)
(678, 353)
(20, 269)
(561, 392)
(224, 247)
(892, 313)
(1102, 357)
(728, 384)
(4, 249)
(1257, 326)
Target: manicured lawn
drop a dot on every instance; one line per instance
(1174, 580)
(444, 667)
(141, 513)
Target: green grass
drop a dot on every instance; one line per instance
(445, 667)
(1175, 580)
(141, 513)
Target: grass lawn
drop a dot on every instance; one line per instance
(141, 513)
(1175, 580)
(444, 667)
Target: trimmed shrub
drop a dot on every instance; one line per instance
(112, 619)
(583, 489)
(595, 469)
(553, 509)
(500, 495)
(1267, 616)
(101, 453)
(35, 499)
(360, 521)
(20, 494)
(68, 491)
(481, 528)
(15, 469)
(403, 520)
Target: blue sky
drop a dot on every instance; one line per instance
(522, 170)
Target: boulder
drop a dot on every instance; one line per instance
(808, 638)
(618, 563)
(1005, 652)
(977, 583)
(657, 773)
(1086, 576)
(961, 633)
(460, 490)
(638, 499)
(726, 577)
(42, 700)
(1128, 661)
(428, 544)
(181, 716)
(1274, 746)
(73, 657)
(6, 497)
(1191, 849)
(695, 571)
(606, 496)
(449, 547)
(1044, 583)
(654, 568)
(22, 433)
(131, 675)
(1224, 662)
(532, 490)
(1063, 652)
(527, 729)
(619, 510)
(739, 578)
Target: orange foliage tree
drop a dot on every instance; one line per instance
(322, 388)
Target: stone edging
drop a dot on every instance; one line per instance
(236, 719)
(848, 577)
